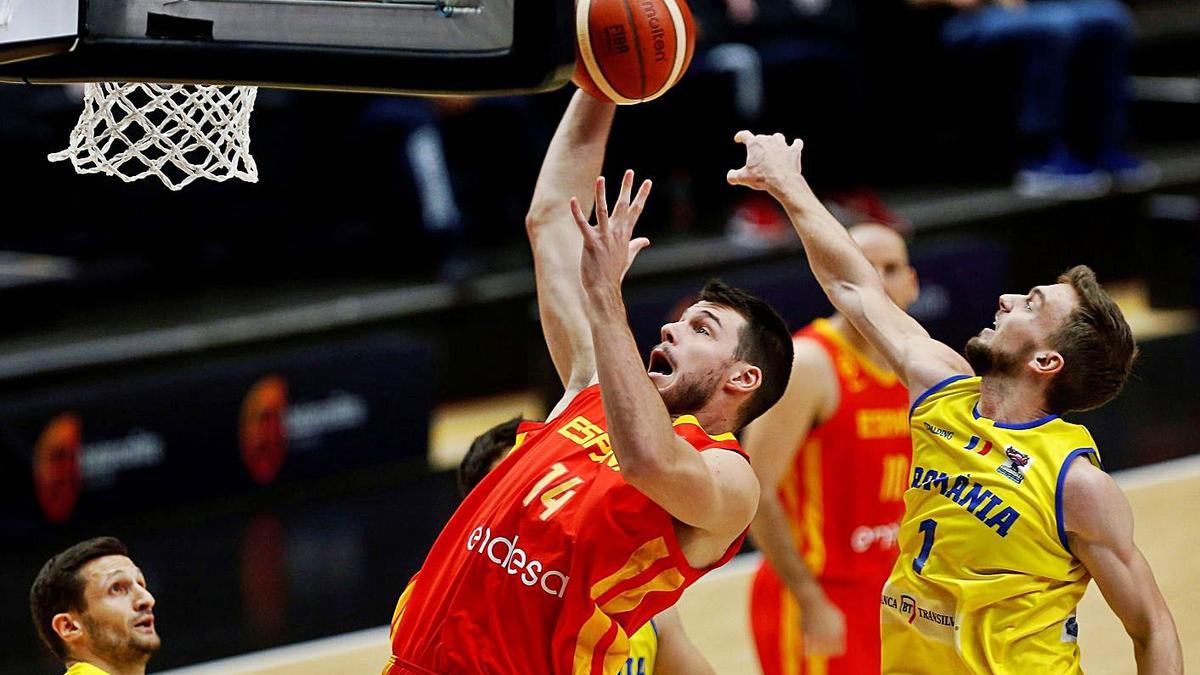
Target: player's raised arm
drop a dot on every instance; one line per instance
(1099, 528)
(572, 163)
(852, 284)
(714, 491)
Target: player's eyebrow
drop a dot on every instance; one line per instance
(134, 573)
(109, 577)
(1037, 293)
(711, 316)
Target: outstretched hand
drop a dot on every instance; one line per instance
(609, 247)
(771, 163)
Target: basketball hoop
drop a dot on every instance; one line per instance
(177, 132)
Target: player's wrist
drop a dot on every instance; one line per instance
(808, 592)
(794, 195)
(605, 298)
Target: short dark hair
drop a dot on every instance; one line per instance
(1097, 347)
(764, 341)
(59, 587)
(483, 453)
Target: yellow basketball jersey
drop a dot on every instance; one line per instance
(643, 650)
(985, 582)
(81, 668)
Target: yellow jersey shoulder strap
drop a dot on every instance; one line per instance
(954, 386)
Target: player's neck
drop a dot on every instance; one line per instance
(715, 417)
(847, 330)
(1011, 400)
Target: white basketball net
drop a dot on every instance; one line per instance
(177, 132)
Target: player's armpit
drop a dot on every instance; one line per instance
(1099, 527)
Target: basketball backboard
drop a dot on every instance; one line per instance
(413, 46)
(37, 28)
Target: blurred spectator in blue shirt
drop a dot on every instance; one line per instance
(1071, 119)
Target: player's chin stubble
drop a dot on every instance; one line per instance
(985, 360)
(691, 394)
(117, 648)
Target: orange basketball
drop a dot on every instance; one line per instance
(630, 51)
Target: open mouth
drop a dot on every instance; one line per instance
(145, 623)
(659, 363)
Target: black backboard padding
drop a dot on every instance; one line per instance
(168, 27)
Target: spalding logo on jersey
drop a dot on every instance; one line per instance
(1018, 463)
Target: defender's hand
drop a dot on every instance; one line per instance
(771, 164)
(824, 628)
(609, 248)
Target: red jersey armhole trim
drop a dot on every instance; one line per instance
(824, 329)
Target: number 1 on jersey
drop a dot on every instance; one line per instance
(554, 497)
(928, 526)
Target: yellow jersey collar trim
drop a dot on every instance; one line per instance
(882, 375)
(1012, 426)
(691, 419)
(81, 668)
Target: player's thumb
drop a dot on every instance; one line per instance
(741, 176)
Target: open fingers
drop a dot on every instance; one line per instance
(581, 220)
(639, 201)
(626, 189)
(601, 205)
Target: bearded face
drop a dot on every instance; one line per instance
(695, 355)
(117, 613)
(692, 391)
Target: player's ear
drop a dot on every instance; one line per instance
(1047, 362)
(745, 377)
(67, 626)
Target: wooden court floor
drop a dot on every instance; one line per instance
(1166, 505)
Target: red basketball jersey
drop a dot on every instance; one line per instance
(844, 492)
(550, 563)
